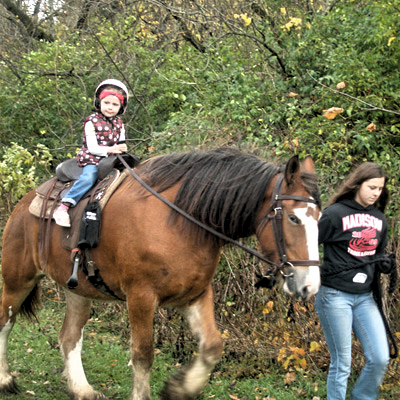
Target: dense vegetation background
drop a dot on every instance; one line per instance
(277, 78)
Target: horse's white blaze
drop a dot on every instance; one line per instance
(310, 223)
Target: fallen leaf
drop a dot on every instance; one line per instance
(289, 378)
(314, 346)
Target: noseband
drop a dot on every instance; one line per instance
(276, 218)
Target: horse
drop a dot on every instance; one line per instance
(151, 256)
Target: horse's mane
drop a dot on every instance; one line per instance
(222, 188)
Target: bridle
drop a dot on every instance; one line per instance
(274, 214)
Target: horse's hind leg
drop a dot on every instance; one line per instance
(70, 339)
(188, 383)
(7, 381)
(17, 297)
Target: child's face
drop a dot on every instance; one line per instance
(110, 105)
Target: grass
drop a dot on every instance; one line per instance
(36, 362)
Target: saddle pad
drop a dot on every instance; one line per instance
(50, 192)
(103, 192)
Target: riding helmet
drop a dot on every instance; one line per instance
(117, 84)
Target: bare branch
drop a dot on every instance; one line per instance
(27, 21)
(83, 17)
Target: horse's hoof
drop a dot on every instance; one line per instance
(10, 387)
(92, 396)
(174, 388)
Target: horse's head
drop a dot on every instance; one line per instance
(290, 221)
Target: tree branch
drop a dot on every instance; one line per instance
(372, 107)
(27, 21)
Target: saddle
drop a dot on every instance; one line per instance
(49, 194)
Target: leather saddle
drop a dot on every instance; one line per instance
(50, 193)
(69, 170)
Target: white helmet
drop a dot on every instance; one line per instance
(117, 84)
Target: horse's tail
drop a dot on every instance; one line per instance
(31, 304)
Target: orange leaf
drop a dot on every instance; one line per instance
(371, 127)
(332, 112)
(302, 363)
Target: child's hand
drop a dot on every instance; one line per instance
(115, 149)
(123, 147)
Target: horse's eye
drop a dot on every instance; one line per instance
(294, 219)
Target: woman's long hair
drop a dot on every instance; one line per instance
(352, 184)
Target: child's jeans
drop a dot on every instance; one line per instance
(82, 185)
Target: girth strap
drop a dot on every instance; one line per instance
(93, 275)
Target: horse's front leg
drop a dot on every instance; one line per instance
(141, 307)
(70, 339)
(188, 383)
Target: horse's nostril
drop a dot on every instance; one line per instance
(305, 291)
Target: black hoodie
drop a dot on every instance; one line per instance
(351, 235)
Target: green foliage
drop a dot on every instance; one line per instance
(20, 172)
(263, 82)
(44, 107)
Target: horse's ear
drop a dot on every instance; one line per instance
(292, 169)
(308, 165)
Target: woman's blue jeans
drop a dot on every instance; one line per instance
(82, 185)
(340, 313)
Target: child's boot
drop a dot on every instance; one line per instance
(61, 216)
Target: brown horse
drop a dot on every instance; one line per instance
(152, 257)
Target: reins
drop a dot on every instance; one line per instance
(276, 217)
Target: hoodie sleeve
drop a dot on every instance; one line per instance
(381, 249)
(325, 227)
